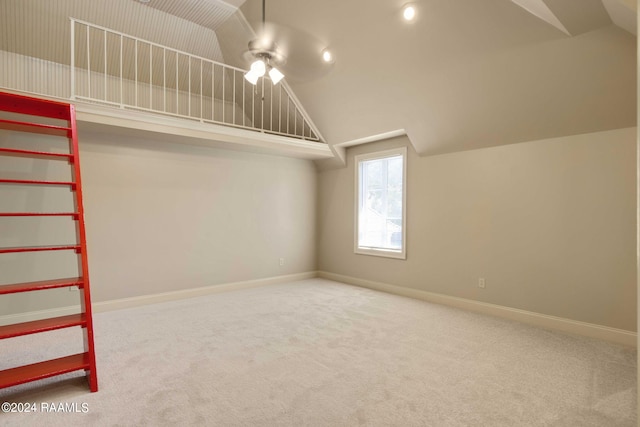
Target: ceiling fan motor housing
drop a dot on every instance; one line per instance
(266, 50)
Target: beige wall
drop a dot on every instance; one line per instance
(549, 224)
(164, 217)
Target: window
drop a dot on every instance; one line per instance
(380, 203)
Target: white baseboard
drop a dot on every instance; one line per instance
(196, 292)
(618, 336)
(118, 304)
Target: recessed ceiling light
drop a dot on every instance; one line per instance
(327, 56)
(409, 12)
(144, 1)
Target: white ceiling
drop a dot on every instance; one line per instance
(466, 74)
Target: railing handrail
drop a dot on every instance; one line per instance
(269, 113)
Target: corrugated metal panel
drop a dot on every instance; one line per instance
(208, 13)
(40, 28)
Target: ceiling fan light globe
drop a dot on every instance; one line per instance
(275, 75)
(258, 68)
(252, 77)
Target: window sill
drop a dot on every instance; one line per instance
(381, 253)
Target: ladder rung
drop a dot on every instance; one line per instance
(41, 285)
(43, 325)
(42, 370)
(37, 182)
(34, 106)
(35, 128)
(39, 248)
(73, 214)
(35, 154)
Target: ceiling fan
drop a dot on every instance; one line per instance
(266, 54)
(278, 50)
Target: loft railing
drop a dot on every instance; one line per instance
(113, 68)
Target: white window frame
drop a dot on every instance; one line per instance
(382, 252)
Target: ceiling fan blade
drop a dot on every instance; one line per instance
(302, 52)
(299, 53)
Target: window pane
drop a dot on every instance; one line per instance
(380, 203)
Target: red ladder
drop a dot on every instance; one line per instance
(27, 106)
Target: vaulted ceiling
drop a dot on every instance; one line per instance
(465, 74)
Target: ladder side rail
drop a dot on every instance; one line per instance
(84, 263)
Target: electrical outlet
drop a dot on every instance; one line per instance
(481, 283)
(73, 289)
(281, 262)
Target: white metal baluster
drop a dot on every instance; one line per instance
(177, 85)
(233, 105)
(213, 92)
(121, 82)
(164, 80)
(135, 57)
(262, 108)
(73, 59)
(253, 107)
(104, 34)
(288, 103)
(151, 76)
(244, 108)
(200, 89)
(280, 110)
(88, 64)
(189, 97)
(224, 107)
(271, 106)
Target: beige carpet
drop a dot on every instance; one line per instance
(320, 353)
